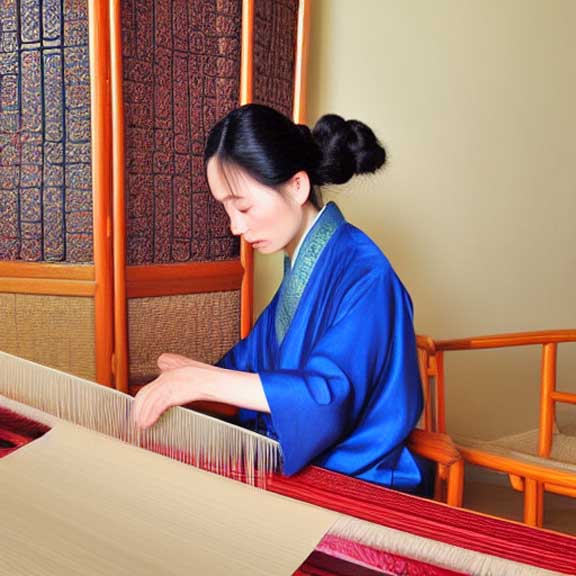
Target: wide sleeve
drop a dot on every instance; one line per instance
(362, 368)
(239, 356)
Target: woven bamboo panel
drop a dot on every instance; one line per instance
(181, 68)
(57, 331)
(200, 326)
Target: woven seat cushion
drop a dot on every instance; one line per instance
(524, 447)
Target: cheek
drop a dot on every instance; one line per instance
(274, 219)
(264, 218)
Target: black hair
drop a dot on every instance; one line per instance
(271, 148)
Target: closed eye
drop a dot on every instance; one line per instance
(242, 206)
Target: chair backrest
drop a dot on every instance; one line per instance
(431, 356)
(549, 396)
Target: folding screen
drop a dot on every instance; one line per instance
(112, 250)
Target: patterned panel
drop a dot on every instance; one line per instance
(200, 326)
(275, 30)
(56, 331)
(181, 74)
(45, 178)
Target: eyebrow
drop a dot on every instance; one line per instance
(231, 197)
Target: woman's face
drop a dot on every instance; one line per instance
(268, 219)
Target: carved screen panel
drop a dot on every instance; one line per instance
(181, 73)
(45, 174)
(275, 28)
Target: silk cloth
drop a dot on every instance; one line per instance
(76, 502)
(336, 354)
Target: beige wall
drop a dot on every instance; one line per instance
(475, 102)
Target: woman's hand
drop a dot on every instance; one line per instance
(197, 381)
(174, 387)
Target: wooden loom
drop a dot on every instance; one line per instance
(376, 531)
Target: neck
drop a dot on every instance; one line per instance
(309, 213)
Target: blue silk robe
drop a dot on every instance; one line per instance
(336, 354)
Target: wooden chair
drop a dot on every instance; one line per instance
(536, 461)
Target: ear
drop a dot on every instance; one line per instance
(299, 187)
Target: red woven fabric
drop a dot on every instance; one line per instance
(427, 518)
(471, 530)
(17, 430)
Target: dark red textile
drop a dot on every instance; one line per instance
(275, 30)
(181, 73)
(17, 430)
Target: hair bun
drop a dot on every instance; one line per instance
(304, 131)
(348, 148)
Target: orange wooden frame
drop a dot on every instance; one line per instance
(47, 279)
(120, 364)
(52, 271)
(99, 50)
(246, 96)
(170, 279)
(301, 63)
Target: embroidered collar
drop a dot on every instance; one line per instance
(297, 250)
(297, 276)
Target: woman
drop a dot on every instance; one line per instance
(330, 368)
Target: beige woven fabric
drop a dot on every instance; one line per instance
(57, 331)
(76, 502)
(432, 551)
(563, 446)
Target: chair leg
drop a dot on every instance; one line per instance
(540, 503)
(439, 492)
(455, 484)
(533, 502)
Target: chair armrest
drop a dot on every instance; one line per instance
(507, 340)
(434, 446)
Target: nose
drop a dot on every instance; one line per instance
(237, 224)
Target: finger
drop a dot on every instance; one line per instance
(155, 409)
(156, 404)
(164, 361)
(140, 402)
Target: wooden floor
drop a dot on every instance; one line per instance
(494, 496)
